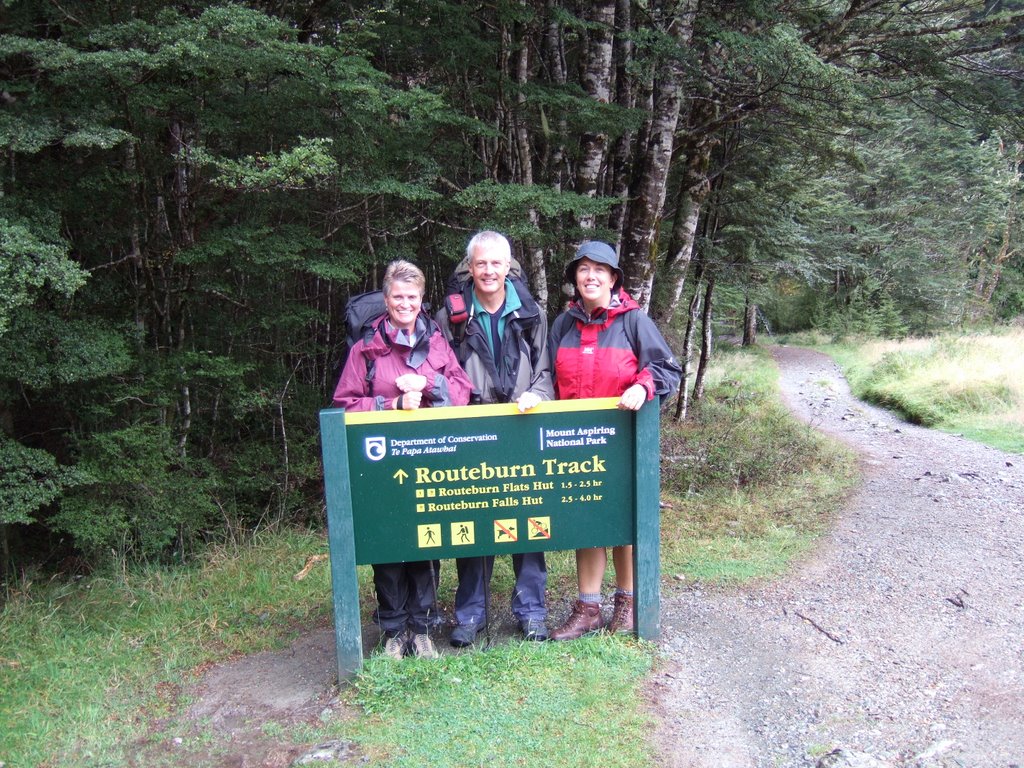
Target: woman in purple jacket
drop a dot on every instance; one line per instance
(411, 366)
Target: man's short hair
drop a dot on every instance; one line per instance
(491, 240)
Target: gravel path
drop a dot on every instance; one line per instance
(898, 642)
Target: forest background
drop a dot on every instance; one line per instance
(190, 191)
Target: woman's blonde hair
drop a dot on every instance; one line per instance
(401, 271)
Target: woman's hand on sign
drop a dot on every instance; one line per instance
(633, 398)
(411, 382)
(408, 401)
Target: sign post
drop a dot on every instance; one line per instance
(466, 481)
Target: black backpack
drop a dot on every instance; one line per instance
(360, 312)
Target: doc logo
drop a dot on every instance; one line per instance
(375, 447)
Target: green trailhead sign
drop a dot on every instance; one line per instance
(488, 485)
(487, 480)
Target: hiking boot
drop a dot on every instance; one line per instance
(534, 629)
(464, 635)
(585, 618)
(396, 645)
(622, 615)
(423, 647)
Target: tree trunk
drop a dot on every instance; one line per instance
(554, 59)
(989, 274)
(749, 323)
(705, 342)
(596, 80)
(181, 137)
(523, 165)
(638, 250)
(990, 271)
(5, 553)
(692, 194)
(683, 400)
(6, 530)
(552, 165)
(620, 161)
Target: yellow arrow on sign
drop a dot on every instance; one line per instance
(400, 476)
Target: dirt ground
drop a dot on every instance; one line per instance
(898, 642)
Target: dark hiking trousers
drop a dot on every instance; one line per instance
(406, 595)
(527, 597)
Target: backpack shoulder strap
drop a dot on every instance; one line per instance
(371, 362)
(632, 321)
(460, 313)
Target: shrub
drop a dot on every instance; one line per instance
(139, 497)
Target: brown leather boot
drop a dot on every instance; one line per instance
(585, 617)
(622, 615)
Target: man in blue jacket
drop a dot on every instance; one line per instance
(503, 347)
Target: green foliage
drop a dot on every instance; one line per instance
(511, 202)
(31, 257)
(21, 135)
(308, 164)
(1008, 300)
(870, 310)
(31, 479)
(46, 351)
(890, 229)
(792, 306)
(138, 495)
(210, 166)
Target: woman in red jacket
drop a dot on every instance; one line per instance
(604, 346)
(410, 366)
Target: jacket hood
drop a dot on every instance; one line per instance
(621, 303)
(383, 340)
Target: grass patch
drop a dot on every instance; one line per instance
(89, 667)
(522, 704)
(748, 489)
(84, 664)
(970, 384)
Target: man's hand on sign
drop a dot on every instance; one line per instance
(411, 382)
(528, 400)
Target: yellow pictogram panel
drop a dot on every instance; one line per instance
(538, 528)
(463, 533)
(506, 531)
(429, 535)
